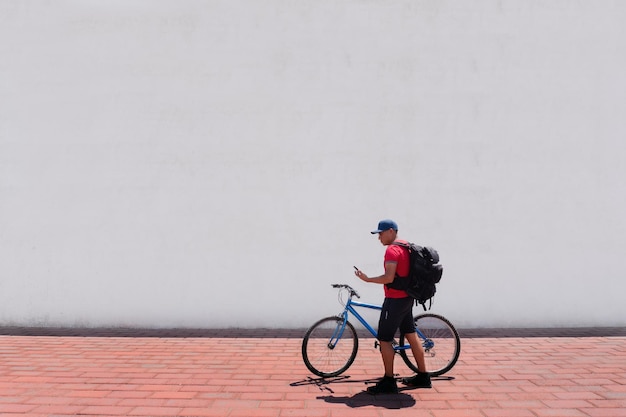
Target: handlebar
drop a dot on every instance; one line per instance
(351, 290)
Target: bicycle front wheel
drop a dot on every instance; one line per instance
(329, 347)
(441, 343)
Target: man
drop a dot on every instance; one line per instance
(397, 312)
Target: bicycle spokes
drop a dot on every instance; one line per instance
(329, 347)
(440, 341)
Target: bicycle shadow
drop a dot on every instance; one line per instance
(362, 399)
(323, 383)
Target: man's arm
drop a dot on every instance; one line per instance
(386, 278)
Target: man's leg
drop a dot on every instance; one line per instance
(422, 378)
(388, 354)
(387, 384)
(387, 326)
(418, 351)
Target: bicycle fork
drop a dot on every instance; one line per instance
(337, 333)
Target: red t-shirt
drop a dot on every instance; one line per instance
(400, 256)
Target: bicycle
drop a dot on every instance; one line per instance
(330, 345)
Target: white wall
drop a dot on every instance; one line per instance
(221, 163)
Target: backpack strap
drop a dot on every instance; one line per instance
(396, 284)
(404, 245)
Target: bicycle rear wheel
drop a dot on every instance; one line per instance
(329, 347)
(441, 342)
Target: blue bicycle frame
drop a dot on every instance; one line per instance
(349, 309)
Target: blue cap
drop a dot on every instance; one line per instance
(386, 225)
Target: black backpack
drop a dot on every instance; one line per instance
(425, 272)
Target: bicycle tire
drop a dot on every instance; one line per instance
(446, 344)
(323, 359)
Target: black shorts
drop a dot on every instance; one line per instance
(397, 313)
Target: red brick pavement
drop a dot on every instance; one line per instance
(256, 376)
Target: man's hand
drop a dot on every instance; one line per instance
(387, 278)
(361, 275)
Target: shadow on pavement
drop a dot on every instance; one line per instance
(363, 399)
(323, 383)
